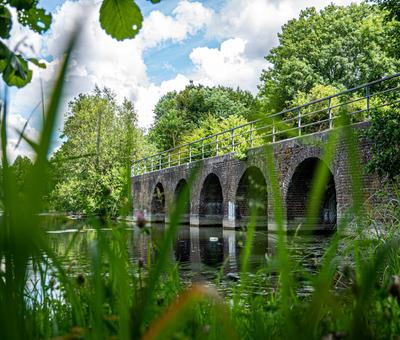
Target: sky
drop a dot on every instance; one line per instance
(212, 42)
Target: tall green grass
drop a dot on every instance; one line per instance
(41, 298)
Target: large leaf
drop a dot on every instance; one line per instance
(35, 18)
(23, 4)
(5, 22)
(121, 19)
(14, 68)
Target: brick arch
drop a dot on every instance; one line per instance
(251, 197)
(297, 191)
(157, 203)
(211, 200)
(177, 191)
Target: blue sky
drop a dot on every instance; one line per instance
(212, 42)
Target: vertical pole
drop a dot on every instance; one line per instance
(330, 113)
(190, 153)
(367, 94)
(216, 146)
(179, 156)
(160, 162)
(251, 135)
(202, 149)
(169, 159)
(233, 140)
(273, 131)
(299, 121)
(152, 164)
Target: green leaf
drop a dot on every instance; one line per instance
(22, 4)
(37, 63)
(121, 19)
(5, 22)
(36, 19)
(14, 68)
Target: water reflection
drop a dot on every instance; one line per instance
(199, 251)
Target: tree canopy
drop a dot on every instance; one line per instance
(92, 165)
(339, 46)
(177, 114)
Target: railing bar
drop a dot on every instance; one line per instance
(385, 91)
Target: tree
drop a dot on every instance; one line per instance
(392, 13)
(22, 166)
(92, 165)
(391, 6)
(213, 125)
(340, 46)
(177, 114)
(384, 134)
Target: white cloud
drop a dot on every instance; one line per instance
(188, 18)
(227, 65)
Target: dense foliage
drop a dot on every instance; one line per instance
(91, 167)
(339, 46)
(177, 114)
(384, 134)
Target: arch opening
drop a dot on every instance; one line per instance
(251, 198)
(158, 204)
(299, 194)
(211, 202)
(180, 188)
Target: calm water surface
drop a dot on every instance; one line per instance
(202, 254)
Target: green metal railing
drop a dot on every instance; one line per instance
(315, 116)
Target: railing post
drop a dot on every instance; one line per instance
(152, 164)
(367, 94)
(251, 135)
(202, 149)
(160, 162)
(169, 159)
(299, 121)
(330, 113)
(216, 146)
(273, 131)
(190, 153)
(179, 156)
(233, 140)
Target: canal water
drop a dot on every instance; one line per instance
(202, 254)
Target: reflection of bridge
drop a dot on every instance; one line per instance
(226, 187)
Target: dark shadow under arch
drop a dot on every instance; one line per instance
(181, 186)
(251, 198)
(158, 204)
(298, 196)
(211, 202)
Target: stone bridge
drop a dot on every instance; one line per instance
(227, 191)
